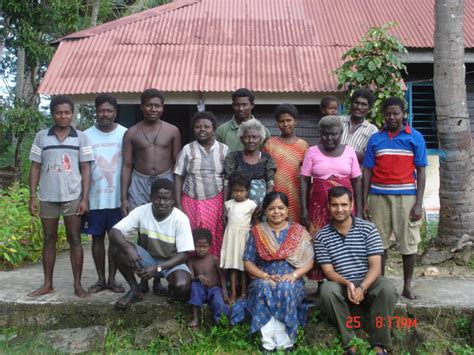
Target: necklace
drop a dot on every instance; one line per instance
(156, 137)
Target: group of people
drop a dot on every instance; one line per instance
(236, 204)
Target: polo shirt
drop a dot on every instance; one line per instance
(60, 175)
(162, 239)
(393, 160)
(348, 254)
(359, 138)
(203, 171)
(227, 133)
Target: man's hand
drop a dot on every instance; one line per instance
(83, 207)
(134, 259)
(416, 212)
(359, 295)
(147, 273)
(32, 207)
(366, 211)
(205, 281)
(305, 219)
(125, 208)
(351, 293)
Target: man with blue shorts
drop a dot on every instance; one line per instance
(104, 196)
(165, 238)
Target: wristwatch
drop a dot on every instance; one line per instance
(158, 269)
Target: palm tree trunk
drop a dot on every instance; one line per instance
(455, 144)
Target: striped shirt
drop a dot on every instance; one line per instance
(203, 171)
(348, 254)
(393, 160)
(60, 176)
(359, 138)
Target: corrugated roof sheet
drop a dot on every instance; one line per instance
(219, 45)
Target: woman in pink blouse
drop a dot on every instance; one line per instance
(327, 164)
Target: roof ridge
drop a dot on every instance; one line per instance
(124, 21)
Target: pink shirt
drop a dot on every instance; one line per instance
(318, 165)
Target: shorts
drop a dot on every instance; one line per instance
(148, 260)
(391, 214)
(58, 209)
(140, 187)
(98, 222)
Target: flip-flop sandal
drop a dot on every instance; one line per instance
(129, 298)
(116, 288)
(96, 288)
(160, 290)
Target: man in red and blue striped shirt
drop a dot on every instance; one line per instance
(394, 184)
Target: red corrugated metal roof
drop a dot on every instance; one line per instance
(218, 45)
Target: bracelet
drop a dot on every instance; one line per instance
(265, 276)
(294, 275)
(363, 288)
(122, 202)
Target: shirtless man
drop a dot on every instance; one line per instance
(208, 285)
(150, 148)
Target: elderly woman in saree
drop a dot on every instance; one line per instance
(258, 166)
(278, 254)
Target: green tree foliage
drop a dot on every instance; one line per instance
(374, 63)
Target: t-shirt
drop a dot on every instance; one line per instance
(105, 173)
(393, 160)
(162, 239)
(318, 165)
(60, 176)
(348, 254)
(203, 171)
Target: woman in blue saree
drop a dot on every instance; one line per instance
(277, 255)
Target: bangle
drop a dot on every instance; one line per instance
(294, 275)
(265, 276)
(363, 288)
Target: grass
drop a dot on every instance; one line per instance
(7, 157)
(428, 233)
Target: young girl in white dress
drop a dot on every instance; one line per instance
(239, 211)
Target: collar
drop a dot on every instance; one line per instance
(216, 143)
(234, 124)
(347, 119)
(406, 129)
(334, 229)
(72, 132)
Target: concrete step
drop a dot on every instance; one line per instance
(439, 297)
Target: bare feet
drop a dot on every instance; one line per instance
(97, 287)
(194, 323)
(408, 293)
(43, 290)
(126, 300)
(80, 292)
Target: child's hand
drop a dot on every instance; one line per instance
(205, 281)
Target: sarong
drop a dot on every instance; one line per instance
(140, 187)
(206, 214)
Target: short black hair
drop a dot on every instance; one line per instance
(243, 92)
(151, 93)
(102, 98)
(60, 100)
(366, 94)
(393, 101)
(204, 115)
(239, 178)
(339, 191)
(202, 234)
(326, 100)
(272, 196)
(161, 184)
(286, 108)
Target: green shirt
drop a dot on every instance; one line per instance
(227, 133)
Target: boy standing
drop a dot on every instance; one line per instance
(61, 157)
(208, 285)
(104, 197)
